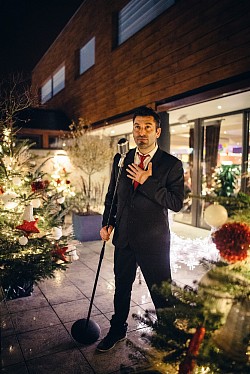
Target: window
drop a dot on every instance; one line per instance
(137, 14)
(59, 81)
(87, 56)
(46, 91)
(53, 85)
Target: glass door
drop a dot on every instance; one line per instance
(221, 157)
(181, 146)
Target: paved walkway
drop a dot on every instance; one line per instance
(36, 335)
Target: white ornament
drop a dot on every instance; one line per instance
(23, 240)
(72, 252)
(36, 203)
(28, 213)
(10, 205)
(215, 215)
(56, 232)
(61, 200)
(8, 196)
(74, 255)
(17, 181)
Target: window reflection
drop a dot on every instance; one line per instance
(221, 157)
(181, 146)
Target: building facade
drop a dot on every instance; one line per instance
(188, 59)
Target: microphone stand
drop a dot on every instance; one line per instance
(85, 330)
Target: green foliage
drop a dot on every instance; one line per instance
(237, 206)
(191, 308)
(29, 251)
(226, 179)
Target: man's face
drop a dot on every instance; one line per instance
(145, 133)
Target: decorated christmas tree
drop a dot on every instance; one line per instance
(207, 330)
(32, 244)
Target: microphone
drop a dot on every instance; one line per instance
(123, 148)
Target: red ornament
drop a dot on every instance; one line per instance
(233, 241)
(29, 227)
(39, 185)
(188, 364)
(196, 341)
(1, 190)
(59, 253)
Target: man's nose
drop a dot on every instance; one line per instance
(142, 131)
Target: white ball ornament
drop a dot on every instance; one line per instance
(10, 205)
(56, 233)
(17, 181)
(61, 200)
(215, 215)
(23, 240)
(36, 203)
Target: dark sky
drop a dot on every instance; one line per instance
(28, 28)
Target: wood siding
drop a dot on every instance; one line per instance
(193, 44)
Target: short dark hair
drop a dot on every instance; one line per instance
(145, 111)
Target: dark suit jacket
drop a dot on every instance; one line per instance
(140, 217)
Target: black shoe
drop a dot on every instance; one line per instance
(110, 341)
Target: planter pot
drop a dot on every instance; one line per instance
(87, 228)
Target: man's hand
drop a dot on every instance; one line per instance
(137, 174)
(105, 232)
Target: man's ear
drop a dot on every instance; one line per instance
(158, 132)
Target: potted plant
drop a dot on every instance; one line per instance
(91, 154)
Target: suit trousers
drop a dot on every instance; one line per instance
(155, 268)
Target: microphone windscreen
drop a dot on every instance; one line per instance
(123, 146)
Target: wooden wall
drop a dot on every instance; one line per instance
(192, 44)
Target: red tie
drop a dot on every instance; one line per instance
(141, 165)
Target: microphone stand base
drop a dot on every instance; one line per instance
(85, 333)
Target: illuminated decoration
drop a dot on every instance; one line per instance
(215, 215)
(25, 256)
(191, 251)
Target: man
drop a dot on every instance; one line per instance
(145, 192)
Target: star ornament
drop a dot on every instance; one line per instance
(59, 253)
(29, 227)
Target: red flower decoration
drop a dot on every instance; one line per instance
(233, 241)
(29, 227)
(59, 253)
